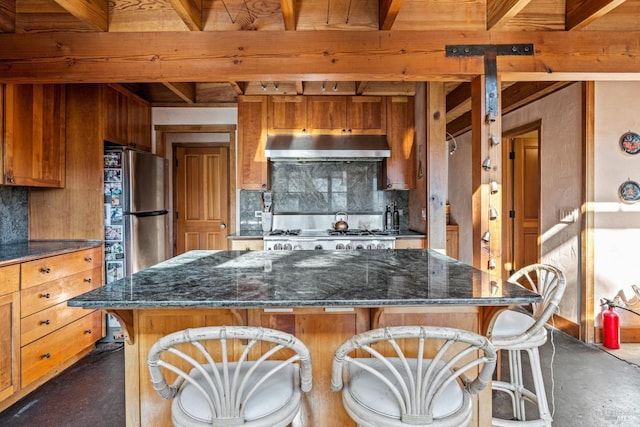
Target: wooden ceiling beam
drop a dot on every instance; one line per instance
(94, 13)
(459, 98)
(185, 91)
(305, 55)
(238, 87)
(515, 96)
(499, 12)
(190, 12)
(581, 13)
(520, 94)
(388, 12)
(288, 8)
(7, 16)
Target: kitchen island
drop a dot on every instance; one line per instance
(323, 297)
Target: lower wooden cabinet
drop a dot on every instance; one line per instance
(9, 337)
(46, 354)
(39, 334)
(247, 244)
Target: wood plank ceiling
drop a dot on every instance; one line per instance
(348, 16)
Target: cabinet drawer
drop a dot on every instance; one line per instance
(45, 354)
(55, 267)
(48, 294)
(46, 321)
(9, 279)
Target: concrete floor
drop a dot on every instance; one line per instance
(591, 388)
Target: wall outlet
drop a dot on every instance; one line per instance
(118, 334)
(567, 216)
(258, 214)
(424, 214)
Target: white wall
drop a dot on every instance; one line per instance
(617, 224)
(561, 172)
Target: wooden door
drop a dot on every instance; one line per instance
(202, 202)
(523, 201)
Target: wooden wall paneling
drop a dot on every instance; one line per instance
(75, 212)
(252, 137)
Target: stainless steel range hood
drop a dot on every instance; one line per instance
(327, 147)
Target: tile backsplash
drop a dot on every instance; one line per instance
(14, 214)
(322, 188)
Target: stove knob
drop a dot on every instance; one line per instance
(371, 246)
(297, 248)
(381, 246)
(277, 247)
(359, 247)
(318, 247)
(349, 246)
(287, 247)
(340, 246)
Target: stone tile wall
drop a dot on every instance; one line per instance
(14, 214)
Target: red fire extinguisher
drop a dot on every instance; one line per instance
(610, 326)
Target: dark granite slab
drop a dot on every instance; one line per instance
(254, 279)
(12, 253)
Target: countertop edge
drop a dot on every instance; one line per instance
(35, 249)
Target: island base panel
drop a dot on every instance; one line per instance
(322, 330)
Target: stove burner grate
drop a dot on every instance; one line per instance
(294, 232)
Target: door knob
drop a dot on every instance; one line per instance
(223, 226)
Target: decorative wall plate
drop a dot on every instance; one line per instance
(630, 143)
(629, 191)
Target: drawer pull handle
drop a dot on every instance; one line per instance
(88, 280)
(88, 331)
(45, 270)
(47, 296)
(88, 259)
(45, 322)
(46, 356)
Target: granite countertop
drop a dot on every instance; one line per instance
(12, 253)
(255, 279)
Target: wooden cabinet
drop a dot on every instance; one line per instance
(139, 123)
(411, 243)
(9, 330)
(127, 119)
(33, 148)
(39, 334)
(252, 137)
(51, 332)
(247, 244)
(326, 114)
(367, 115)
(287, 114)
(452, 241)
(399, 169)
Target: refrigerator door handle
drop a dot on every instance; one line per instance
(145, 214)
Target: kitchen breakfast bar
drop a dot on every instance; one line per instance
(322, 297)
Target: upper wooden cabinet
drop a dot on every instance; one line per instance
(327, 114)
(127, 119)
(367, 115)
(33, 149)
(399, 168)
(252, 137)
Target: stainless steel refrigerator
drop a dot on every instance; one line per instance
(135, 211)
(135, 214)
